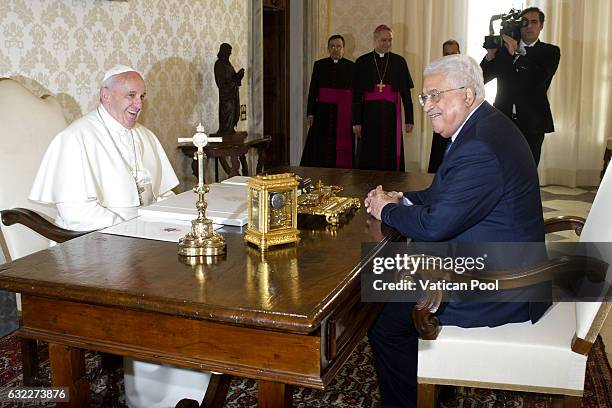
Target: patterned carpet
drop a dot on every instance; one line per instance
(354, 386)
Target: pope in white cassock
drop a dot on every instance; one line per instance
(98, 171)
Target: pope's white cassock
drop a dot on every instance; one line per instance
(98, 173)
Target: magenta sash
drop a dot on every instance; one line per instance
(394, 97)
(344, 138)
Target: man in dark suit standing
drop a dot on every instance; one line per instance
(524, 70)
(486, 190)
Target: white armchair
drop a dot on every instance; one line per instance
(547, 357)
(28, 126)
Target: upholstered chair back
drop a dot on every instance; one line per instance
(590, 316)
(28, 125)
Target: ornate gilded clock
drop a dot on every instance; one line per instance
(272, 210)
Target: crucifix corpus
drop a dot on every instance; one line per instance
(202, 240)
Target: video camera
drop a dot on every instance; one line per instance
(511, 24)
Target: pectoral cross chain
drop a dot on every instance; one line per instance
(140, 190)
(380, 85)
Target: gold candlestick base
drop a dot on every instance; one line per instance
(202, 240)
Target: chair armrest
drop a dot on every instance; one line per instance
(564, 223)
(37, 223)
(187, 403)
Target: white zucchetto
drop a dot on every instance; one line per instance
(119, 69)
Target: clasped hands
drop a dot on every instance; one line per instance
(377, 198)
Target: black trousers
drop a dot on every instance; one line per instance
(395, 345)
(534, 139)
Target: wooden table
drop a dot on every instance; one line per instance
(289, 317)
(234, 146)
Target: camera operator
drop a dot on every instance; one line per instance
(524, 70)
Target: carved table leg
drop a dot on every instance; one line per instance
(224, 165)
(275, 395)
(261, 158)
(68, 370)
(235, 169)
(217, 391)
(426, 396)
(110, 364)
(245, 165)
(29, 362)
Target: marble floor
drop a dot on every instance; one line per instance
(557, 200)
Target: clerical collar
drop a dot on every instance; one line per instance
(380, 54)
(111, 123)
(335, 60)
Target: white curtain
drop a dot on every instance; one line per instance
(580, 91)
(256, 71)
(316, 31)
(420, 27)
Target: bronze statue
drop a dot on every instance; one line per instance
(228, 81)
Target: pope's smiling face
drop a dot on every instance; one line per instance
(123, 98)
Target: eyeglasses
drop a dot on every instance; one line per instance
(435, 95)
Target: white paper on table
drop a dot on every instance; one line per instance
(237, 181)
(227, 205)
(152, 228)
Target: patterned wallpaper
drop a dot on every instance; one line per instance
(356, 20)
(63, 47)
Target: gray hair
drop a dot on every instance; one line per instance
(459, 70)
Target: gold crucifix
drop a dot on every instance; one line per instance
(202, 240)
(380, 86)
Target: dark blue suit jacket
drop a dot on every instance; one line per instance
(486, 190)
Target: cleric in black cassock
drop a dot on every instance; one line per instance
(381, 79)
(330, 139)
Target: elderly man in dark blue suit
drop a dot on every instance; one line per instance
(486, 190)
